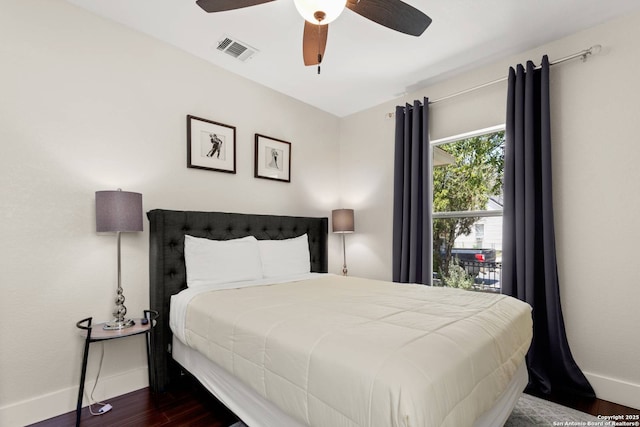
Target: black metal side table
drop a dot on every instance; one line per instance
(95, 333)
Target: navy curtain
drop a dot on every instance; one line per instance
(529, 269)
(412, 226)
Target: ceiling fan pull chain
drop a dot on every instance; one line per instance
(319, 46)
(320, 17)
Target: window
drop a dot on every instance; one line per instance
(467, 210)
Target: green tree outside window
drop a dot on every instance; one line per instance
(466, 185)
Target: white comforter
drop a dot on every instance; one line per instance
(334, 351)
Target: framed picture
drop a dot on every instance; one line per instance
(211, 145)
(272, 159)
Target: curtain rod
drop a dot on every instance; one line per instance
(584, 54)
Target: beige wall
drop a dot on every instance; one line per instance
(596, 119)
(86, 105)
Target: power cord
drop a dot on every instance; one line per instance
(105, 407)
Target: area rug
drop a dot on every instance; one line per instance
(531, 411)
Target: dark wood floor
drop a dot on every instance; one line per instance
(592, 406)
(189, 404)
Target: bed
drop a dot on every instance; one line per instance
(324, 350)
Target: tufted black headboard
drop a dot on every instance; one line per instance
(167, 274)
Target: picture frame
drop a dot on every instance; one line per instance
(272, 158)
(210, 145)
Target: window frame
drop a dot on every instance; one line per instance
(461, 214)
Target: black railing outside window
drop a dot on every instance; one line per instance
(480, 276)
(486, 275)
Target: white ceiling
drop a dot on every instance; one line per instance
(365, 64)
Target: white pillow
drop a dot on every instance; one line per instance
(285, 257)
(221, 261)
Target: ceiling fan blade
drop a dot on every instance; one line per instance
(222, 5)
(394, 14)
(314, 40)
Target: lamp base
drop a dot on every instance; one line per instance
(116, 324)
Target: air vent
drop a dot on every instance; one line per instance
(233, 47)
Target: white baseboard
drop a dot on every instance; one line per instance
(62, 401)
(614, 390)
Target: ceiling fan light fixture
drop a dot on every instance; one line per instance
(330, 8)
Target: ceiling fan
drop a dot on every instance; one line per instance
(393, 14)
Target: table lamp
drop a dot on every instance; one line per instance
(342, 221)
(120, 212)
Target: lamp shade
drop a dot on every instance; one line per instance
(118, 211)
(342, 221)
